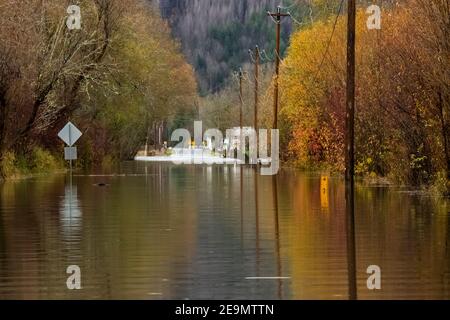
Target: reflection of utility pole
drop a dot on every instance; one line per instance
(277, 236)
(351, 241)
(256, 220)
(277, 17)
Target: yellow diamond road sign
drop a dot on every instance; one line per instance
(70, 134)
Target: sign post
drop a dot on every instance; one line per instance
(70, 135)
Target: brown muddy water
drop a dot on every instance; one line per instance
(161, 231)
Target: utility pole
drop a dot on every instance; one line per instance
(277, 17)
(256, 62)
(241, 98)
(242, 149)
(350, 151)
(350, 107)
(241, 112)
(255, 119)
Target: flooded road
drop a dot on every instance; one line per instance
(161, 231)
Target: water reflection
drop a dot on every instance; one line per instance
(70, 213)
(257, 245)
(351, 240)
(277, 234)
(324, 193)
(241, 200)
(159, 231)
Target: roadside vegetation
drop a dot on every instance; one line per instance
(118, 78)
(403, 95)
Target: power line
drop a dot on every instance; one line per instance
(266, 56)
(252, 58)
(270, 15)
(301, 24)
(280, 59)
(288, 7)
(329, 41)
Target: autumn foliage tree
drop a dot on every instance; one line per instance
(117, 75)
(402, 93)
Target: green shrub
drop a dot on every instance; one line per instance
(109, 162)
(8, 165)
(441, 184)
(38, 161)
(42, 161)
(86, 155)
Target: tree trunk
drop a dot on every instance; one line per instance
(445, 129)
(3, 119)
(155, 136)
(147, 140)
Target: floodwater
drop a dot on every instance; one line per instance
(161, 231)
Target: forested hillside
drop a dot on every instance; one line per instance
(216, 35)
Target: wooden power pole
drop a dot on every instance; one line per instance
(277, 17)
(241, 99)
(257, 57)
(255, 118)
(350, 151)
(350, 106)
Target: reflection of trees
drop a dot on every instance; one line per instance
(405, 234)
(133, 240)
(30, 241)
(317, 241)
(140, 238)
